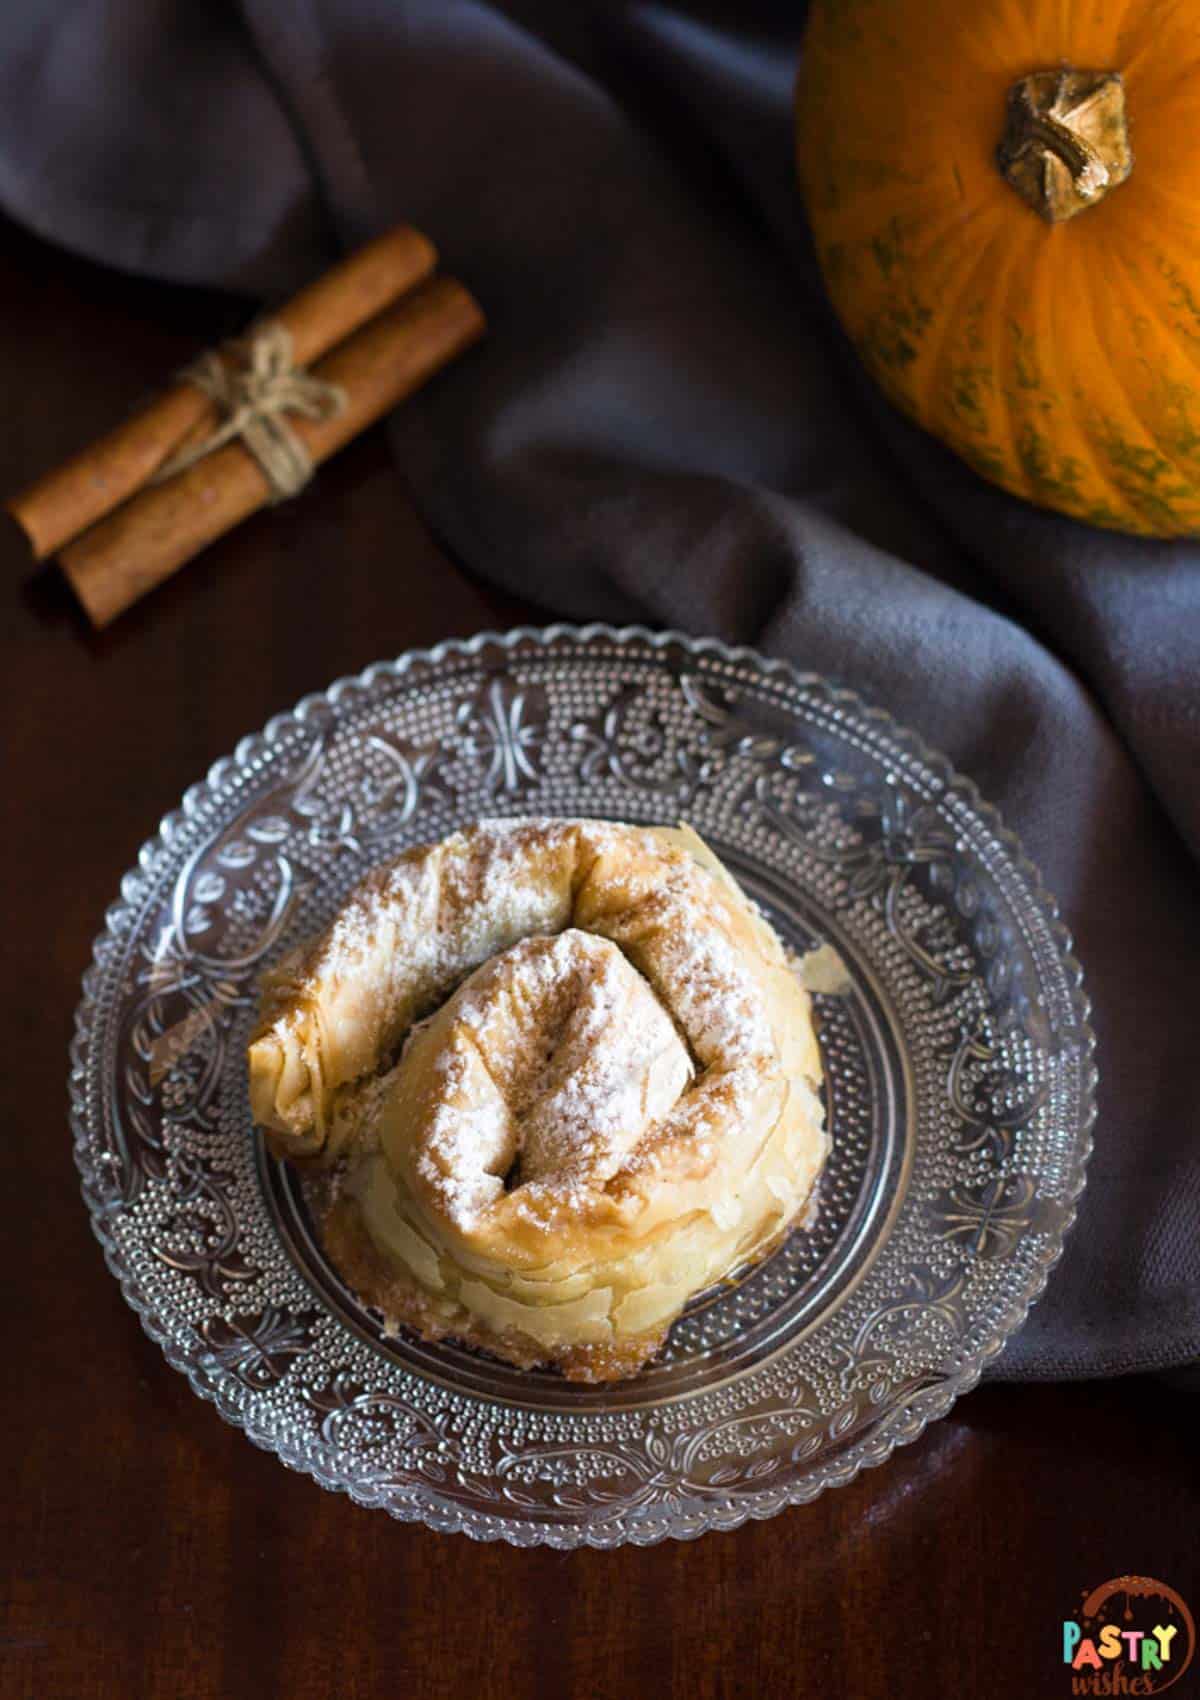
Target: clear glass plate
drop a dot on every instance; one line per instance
(960, 1086)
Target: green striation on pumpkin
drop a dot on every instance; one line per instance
(1049, 336)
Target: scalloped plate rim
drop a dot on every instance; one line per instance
(438, 1514)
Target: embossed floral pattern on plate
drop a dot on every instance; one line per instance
(960, 1086)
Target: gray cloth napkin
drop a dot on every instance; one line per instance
(666, 424)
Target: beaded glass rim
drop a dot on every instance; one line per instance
(961, 1085)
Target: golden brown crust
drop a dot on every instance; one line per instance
(616, 1108)
(403, 1302)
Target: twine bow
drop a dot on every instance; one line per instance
(253, 398)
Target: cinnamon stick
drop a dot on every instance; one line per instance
(63, 503)
(148, 538)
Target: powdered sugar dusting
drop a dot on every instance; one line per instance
(471, 1140)
(714, 998)
(576, 1059)
(607, 972)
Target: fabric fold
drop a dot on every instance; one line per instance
(665, 424)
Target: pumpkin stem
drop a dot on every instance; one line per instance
(1066, 140)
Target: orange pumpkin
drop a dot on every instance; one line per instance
(1005, 197)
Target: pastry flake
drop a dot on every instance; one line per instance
(567, 1077)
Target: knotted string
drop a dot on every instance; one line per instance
(253, 398)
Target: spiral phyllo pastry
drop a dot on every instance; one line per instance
(563, 1077)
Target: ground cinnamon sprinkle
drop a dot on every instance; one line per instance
(580, 1059)
(577, 1031)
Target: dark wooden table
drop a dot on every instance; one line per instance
(148, 1550)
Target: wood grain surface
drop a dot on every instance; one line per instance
(148, 1550)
